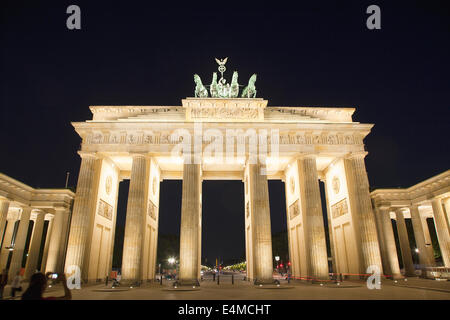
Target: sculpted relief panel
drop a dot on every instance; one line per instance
(105, 210)
(294, 210)
(172, 137)
(152, 210)
(339, 209)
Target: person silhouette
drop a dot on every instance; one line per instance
(3, 282)
(38, 284)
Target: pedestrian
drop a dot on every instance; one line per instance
(16, 284)
(3, 282)
(38, 284)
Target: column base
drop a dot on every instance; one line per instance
(187, 283)
(131, 283)
(397, 277)
(258, 282)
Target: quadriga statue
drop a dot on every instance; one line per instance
(250, 90)
(200, 90)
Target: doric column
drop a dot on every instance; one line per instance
(19, 243)
(446, 203)
(424, 258)
(379, 212)
(330, 231)
(428, 242)
(134, 225)
(4, 207)
(47, 243)
(408, 264)
(190, 244)
(81, 216)
(358, 188)
(7, 241)
(35, 246)
(316, 246)
(260, 221)
(442, 230)
(387, 233)
(54, 257)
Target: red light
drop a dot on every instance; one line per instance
(281, 265)
(289, 263)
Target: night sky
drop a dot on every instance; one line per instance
(141, 53)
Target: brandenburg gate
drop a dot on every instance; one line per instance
(225, 137)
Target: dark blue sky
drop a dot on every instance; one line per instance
(305, 54)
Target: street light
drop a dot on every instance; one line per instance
(171, 260)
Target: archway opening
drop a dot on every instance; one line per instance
(223, 222)
(169, 226)
(278, 224)
(119, 233)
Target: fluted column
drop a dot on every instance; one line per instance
(54, 257)
(428, 242)
(33, 253)
(446, 203)
(330, 231)
(379, 212)
(408, 264)
(4, 207)
(260, 221)
(442, 230)
(134, 225)
(389, 243)
(47, 244)
(19, 243)
(81, 217)
(317, 259)
(7, 241)
(358, 188)
(424, 258)
(190, 244)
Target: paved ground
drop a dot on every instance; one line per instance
(412, 289)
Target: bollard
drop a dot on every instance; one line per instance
(106, 282)
(214, 277)
(289, 278)
(218, 279)
(340, 277)
(232, 278)
(160, 279)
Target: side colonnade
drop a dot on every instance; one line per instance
(40, 215)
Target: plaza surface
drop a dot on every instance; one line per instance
(412, 289)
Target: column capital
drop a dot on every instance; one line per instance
(49, 216)
(306, 155)
(399, 210)
(35, 213)
(139, 155)
(88, 155)
(382, 205)
(25, 207)
(356, 154)
(5, 199)
(383, 208)
(436, 200)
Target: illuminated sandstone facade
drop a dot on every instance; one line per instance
(49, 211)
(224, 139)
(427, 199)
